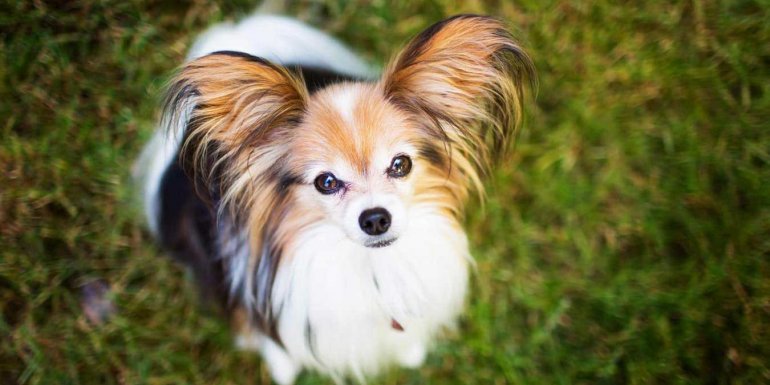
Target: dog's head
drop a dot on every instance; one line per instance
(360, 157)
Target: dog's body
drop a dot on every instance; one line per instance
(321, 205)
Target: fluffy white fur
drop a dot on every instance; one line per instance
(349, 295)
(337, 305)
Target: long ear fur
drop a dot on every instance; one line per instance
(464, 77)
(235, 112)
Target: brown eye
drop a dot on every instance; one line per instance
(400, 166)
(327, 183)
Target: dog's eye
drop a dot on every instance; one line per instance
(400, 166)
(327, 183)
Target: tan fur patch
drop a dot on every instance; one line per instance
(353, 135)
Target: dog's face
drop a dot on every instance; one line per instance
(359, 162)
(361, 157)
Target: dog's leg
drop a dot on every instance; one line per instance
(283, 370)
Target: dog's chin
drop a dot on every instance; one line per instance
(380, 243)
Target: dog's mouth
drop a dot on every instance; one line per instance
(380, 243)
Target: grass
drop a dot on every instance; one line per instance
(626, 240)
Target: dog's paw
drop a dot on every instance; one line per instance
(413, 356)
(282, 368)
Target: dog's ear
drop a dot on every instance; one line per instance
(233, 111)
(465, 77)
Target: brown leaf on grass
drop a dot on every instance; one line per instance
(95, 302)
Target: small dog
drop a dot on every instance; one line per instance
(320, 203)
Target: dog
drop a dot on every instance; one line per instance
(319, 202)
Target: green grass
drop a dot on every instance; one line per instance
(625, 240)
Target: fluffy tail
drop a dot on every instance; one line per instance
(281, 40)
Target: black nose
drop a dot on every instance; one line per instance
(374, 221)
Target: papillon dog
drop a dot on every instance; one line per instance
(320, 202)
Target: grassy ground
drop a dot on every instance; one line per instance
(626, 240)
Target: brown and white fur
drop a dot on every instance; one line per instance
(266, 108)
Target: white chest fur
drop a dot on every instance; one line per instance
(338, 300)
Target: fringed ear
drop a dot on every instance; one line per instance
(235, 113)
(232, 109)
(464, 78)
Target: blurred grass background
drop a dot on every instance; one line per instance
(626, 240)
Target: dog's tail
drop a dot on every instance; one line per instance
(281, 40)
